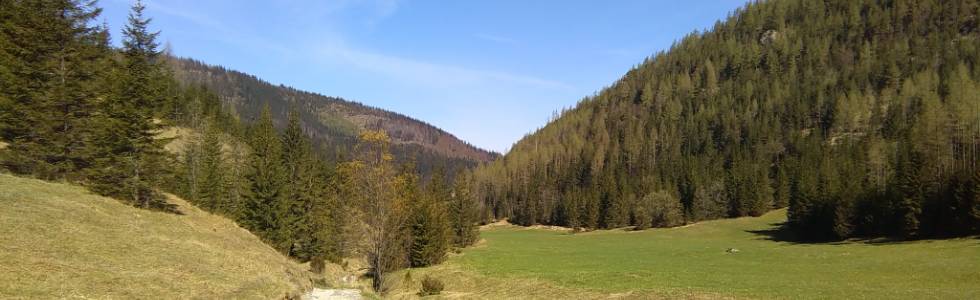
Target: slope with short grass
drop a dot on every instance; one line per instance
(60, 241)
(695, 262)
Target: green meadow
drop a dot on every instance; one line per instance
(694, 261)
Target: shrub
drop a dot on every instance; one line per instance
(430, 286)
(317, 265)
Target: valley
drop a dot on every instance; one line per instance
(775, 149)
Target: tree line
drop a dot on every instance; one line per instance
(861, 117)
(330, 119)
(74, 108)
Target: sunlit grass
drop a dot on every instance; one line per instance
(59, 241)
(692, 262)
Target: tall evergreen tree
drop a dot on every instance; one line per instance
(909, 206)
(781, 189)
(265, 175)
(212, 192)
(132, 160)
(464, 213)
(428, 222)
(328, 218)
(52, 65)
(299, 188)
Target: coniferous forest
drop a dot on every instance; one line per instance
(861, 117)
(74, 108)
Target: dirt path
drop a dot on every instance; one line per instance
(330, 294)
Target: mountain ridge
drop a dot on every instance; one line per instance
(332, 122)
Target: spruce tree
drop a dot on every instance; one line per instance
(212, 193)
(327, 217)
(265, 177)
(52, 65)
(909, 205)
(781, 190)
(131, 159)
(464, 213)
(299, 187)
(803, 199)
(428, 221)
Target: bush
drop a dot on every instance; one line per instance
(658, 209)
(317, 265)
(430, 286)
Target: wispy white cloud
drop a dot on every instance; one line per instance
(496, 38)
(424, 72)
(226, 34)
(156, 6)
(369, 12)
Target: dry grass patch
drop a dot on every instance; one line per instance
(60, 241)
(462, 283)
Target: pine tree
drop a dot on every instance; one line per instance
(428, 222)
(803, 199)
(781, 190)
(327, 218)
(265, 177)
(212, 192)
(298, 191)
(132, 160)
(909, 206)
(464, 213)
(762, 201)
(52, 67)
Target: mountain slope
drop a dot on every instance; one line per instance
(332, 122)
(859, 115)
(60, 241)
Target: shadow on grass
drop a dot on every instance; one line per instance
(166, 207)
(780, 232)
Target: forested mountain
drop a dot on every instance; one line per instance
(333, 123)
(862, 116)
(118, 121)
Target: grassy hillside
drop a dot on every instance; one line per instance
(59, 241)
(693, 262)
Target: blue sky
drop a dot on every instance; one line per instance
(487, 71)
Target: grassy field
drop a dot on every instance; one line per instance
(59, 241)
(692, 262)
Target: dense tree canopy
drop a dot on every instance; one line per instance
(862, 116)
